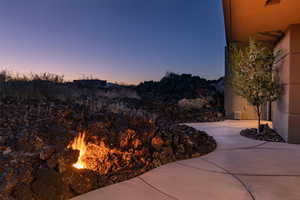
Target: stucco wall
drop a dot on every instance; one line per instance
(286, 115)
(237, 107)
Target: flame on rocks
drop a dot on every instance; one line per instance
(79, 144)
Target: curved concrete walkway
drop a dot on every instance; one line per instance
(239, 169)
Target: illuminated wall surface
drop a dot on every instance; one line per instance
(287, 109)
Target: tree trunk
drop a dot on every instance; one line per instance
(258, 116)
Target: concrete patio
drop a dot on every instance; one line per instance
(239, 169)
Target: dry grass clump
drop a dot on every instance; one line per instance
(33, 86)
(190, 104)
(52, 86)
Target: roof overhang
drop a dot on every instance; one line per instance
(263, 19)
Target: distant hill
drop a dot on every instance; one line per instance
(173, 87)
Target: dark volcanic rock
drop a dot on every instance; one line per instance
(36, 163)
(267, 134)
(174, 87)
(48, 185)
(82, 181)
(182, 98)
(157, 143)
(23, 192)
(66, 158)
(47, 152)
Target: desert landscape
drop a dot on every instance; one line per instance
(60, 139)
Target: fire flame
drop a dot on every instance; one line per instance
(79, 144)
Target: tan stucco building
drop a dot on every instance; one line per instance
(277, 21)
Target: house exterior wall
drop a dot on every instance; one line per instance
(268, 22)
(286, 114)
(237, 107)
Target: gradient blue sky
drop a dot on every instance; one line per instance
(117, 40)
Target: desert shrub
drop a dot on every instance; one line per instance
(121, 92)
(189, 104)
(4, 76)
(34, 86)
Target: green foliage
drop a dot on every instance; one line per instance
(252, 73)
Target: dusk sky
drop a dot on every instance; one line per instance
(116, 40)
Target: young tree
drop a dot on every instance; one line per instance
(252, 74)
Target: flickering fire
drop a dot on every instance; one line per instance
(79, 144)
